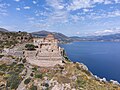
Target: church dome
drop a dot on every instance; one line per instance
(50, 37)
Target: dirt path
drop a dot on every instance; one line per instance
(22, 85)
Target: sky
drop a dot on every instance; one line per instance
(70, 17)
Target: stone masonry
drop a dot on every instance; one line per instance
(48, 53)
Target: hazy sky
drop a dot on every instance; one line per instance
(71, 17)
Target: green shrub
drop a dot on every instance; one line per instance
(30, 47)
(67, 59)
(27, 80)
(39, 76)
(1, 56)
(34, 69)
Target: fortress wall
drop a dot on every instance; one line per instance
(44, 63)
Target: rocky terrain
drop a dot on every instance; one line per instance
(8, 39)
(70, 76)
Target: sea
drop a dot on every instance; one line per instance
(101, 58)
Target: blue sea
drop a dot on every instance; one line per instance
(101, 58)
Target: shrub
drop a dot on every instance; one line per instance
(31, 74)
(24, 60)
(34, 69)
(36, 46)
(67, 59)
(27, 81)
(30, 47)
(1, 56)
(46, 85)
(39, 76)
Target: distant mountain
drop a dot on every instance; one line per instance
(76, 38)
(3, 30)
(111, 37)
(65, 39)
(61, 37)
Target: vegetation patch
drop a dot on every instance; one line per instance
(13, 81)
(9, 39)
(39, 76)
(3, 67)
(80, 82)
(34, 69)
(27, 81)
(11, 75)
(1, 56)
(30, 47)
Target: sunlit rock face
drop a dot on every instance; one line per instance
(48, 53)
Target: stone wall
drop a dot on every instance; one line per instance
(44, 62)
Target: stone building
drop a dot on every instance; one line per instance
(48, 53)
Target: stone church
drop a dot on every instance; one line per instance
(47, 53)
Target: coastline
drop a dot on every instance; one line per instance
(101, 75)
(97, 77)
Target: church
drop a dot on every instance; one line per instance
(47, 53)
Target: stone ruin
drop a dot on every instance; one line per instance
(48, 53)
